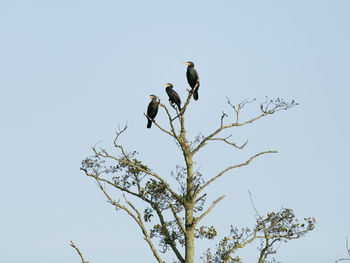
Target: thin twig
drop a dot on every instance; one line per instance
(170, 120)
(252, 202)
(119, 132)
(78, 251)
(230, 143)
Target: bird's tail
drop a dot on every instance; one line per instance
(195, 94)
(149, 124)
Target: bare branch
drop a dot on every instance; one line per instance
(184, 144)
(230, 143)
(201, 197)
(177, 111)
(177, 218)
(233, 167)
(170, 120)
(123, 189)
(78, 251)
(239, 106)
(134, 208)
(138, 219)
(252, 202)
(190, 93)
(119, 132)
(223, 127)
(116, 204)
(223, 116)
(162, 129)
(274, 105)
(208, 210)
(241, 245)
(266, 109)
(253, 119)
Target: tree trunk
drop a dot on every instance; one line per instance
(189, 205)
(189, 237)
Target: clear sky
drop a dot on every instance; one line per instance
(72, 70)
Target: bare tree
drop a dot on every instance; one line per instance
(176, 213)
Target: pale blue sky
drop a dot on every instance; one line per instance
(72, 70)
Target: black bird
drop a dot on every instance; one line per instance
(192, 78)
(173, 96)
(152, 110)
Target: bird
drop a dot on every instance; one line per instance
(173, 96)
(152, 110)
(192, 78)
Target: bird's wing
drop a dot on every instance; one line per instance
(176, 97)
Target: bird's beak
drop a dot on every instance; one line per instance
(149, 96)
(187, 63)
(166, 85)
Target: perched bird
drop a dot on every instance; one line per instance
(173, 96)
(152, 110)
(192, 78)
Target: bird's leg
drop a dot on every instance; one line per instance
(172, 104)
(175, 117)
(196, 86)
(148, 118)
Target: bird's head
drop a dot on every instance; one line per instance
(189, 63)
(169, 85)
(152, 97)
